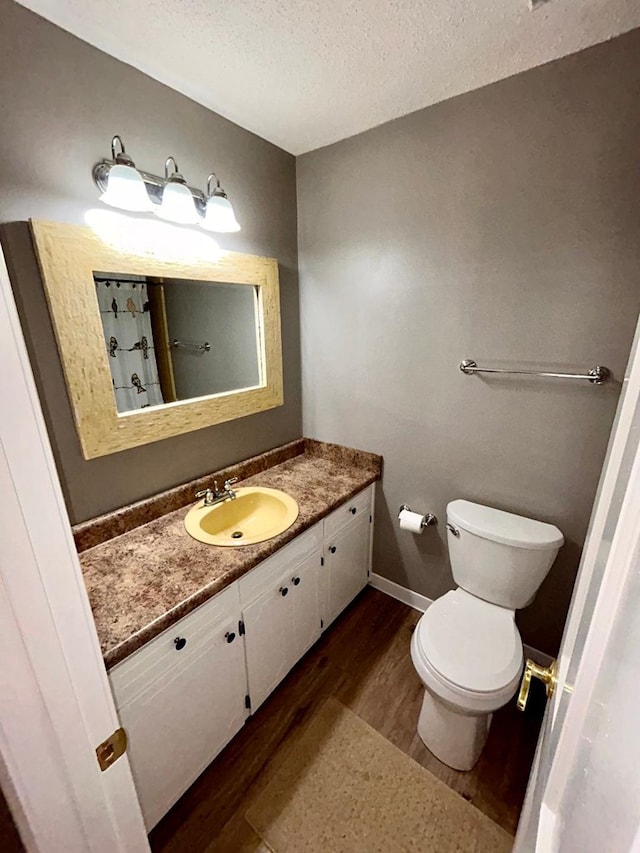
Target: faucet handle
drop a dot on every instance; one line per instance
(230, 482)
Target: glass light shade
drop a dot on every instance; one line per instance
(178, 205)
(219, 215)
(126, 189)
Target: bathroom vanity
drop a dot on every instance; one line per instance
(196, 630)
(195, 636)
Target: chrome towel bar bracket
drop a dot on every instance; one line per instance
(205, 347)
(597, 375)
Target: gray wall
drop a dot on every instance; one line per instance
(504, 226)
(62, 101)
(224, 315)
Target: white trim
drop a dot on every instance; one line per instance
(421, 602)
(55, 701)
(400, 593)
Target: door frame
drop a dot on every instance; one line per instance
(561, 734)
(55, 702)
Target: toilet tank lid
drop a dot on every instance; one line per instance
(504, 527)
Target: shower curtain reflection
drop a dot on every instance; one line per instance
(124, 309)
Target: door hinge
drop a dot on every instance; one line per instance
(370, 519)
(241, 630)
(321, 624)
(247, 702)
(322, 561)
(111, 749)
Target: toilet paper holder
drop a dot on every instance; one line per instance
(428, 520)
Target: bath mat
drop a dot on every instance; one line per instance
(343, 788)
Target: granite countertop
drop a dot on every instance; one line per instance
(143, 580)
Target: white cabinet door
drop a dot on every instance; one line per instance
(346, 565)
(305, 605)
(183, 719)
(280, 626)
(268, 646)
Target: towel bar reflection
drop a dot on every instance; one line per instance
(596, 375)
(205, 347)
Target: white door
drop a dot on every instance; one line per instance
(55, 705)
(584, 787)
(347, 561)
(180, 723)
(305, 605)
(268, 649)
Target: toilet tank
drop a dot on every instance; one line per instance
(498, 556)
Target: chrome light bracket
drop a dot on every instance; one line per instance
(154, 184)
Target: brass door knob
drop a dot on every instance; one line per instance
(547, 674)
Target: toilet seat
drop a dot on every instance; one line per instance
(468, 651)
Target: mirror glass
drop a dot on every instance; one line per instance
(171, 339)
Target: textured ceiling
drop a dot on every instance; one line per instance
(305, 73)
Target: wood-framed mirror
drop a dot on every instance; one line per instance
(153, 348)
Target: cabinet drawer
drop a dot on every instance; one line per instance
(159, 656)
(268, 573)
(355, 507)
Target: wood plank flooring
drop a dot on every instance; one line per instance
(362, 660)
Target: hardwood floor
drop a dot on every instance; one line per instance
(362, 660)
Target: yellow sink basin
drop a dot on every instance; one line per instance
(256, 514)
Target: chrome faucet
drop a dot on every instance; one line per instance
(215, 496)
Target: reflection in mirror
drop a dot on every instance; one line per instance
(174, 339)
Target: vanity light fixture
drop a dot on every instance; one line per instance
(219, 215)
(177, 204)
(124, 186)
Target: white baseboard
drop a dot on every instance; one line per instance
(401, 593)
(421, 602)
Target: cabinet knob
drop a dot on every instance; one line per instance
(283, 591)
(295, 581)
(180, 643)
(353, 510)
(333, 549)
(230, 636)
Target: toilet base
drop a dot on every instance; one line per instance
(456, 738)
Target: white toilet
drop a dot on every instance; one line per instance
(466, 648)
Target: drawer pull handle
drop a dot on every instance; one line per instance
(333, 549)
(180, 643)
(230, 636)
(295, 581)
(283, 591)
(353, 510)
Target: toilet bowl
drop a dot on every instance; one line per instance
(468, 654)
(466, 648)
